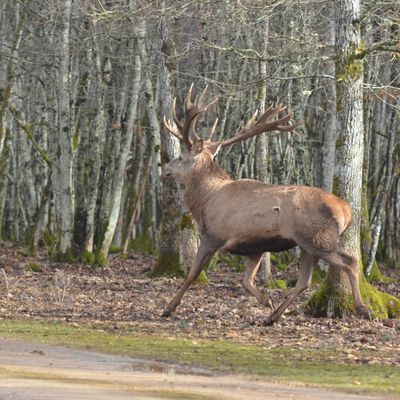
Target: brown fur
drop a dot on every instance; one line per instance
(200, 191)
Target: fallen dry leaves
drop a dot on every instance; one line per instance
(123, 296)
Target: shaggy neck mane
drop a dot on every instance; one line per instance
(206, 179)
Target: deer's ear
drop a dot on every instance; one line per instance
(197, 147)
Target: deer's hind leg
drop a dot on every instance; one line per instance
(339, 259)
(307, 262)
(252, 266)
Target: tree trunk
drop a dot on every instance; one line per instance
(6, 88)
(97, 133)
(330, 133)
(261, 140)
(127, 133)
(64, 181)
(384, 190)
(168, 261)
(334, 296)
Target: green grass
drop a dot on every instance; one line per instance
(284, 365)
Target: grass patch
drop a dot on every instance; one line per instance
(285, 365)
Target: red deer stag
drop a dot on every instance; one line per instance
(247, 217)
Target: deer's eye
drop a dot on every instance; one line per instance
(179, 158)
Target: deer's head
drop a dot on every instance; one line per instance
(199, 151)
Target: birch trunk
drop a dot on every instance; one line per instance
(8, 72)
(64, 191)
(261, 140)
(4, 171)
(384, 191)
(155, 141)
(96, 140)
(126, 140)
(330, 132)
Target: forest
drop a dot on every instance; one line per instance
(98, 244)
(84, 87)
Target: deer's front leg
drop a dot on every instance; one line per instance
(206, 249)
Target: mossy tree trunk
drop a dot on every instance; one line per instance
(168, 261)
(334, 296)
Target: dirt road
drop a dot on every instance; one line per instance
(36, 372)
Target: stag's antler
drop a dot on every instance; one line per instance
(264, 124)
(184, 131)
(193, 109)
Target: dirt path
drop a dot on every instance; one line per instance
(35, 371)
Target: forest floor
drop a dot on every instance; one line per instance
(122, 298)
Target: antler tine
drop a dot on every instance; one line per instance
(177, 122)
(172, 129)
(201, 98)
(288, 128)
(188, 99)
(212, 132)
(251, 121)
(195, 134)
(271, 112)
(193, 108)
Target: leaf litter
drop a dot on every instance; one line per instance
(122, 297)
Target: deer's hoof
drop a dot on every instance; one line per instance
(269, 321)
(166, 314)
(364, 312)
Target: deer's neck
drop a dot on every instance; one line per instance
(204, 183)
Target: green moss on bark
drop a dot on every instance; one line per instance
(143, 243)
(168, 264)
(202, 279)
(68, 256)
(114, 249)
(382, 305)
(375, 275)
(187, 222)
(318, 275)
(88, 258)
(101, 259)
(328, 302)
